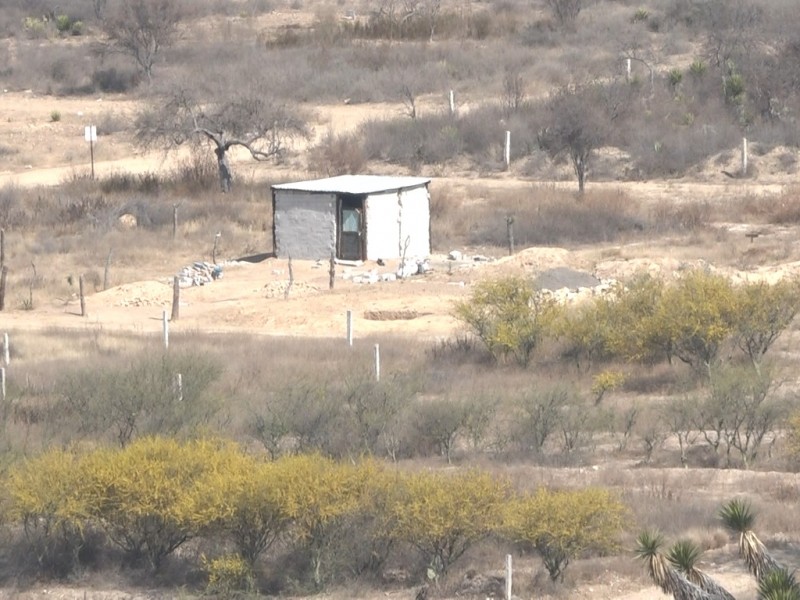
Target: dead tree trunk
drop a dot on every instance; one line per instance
(225, 173)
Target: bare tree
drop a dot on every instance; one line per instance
(580, 119)
(565, 12)
(732, 31)
(141, 29)
(740, 413)
(513, 90)
(409, 101)
(250, 121)
(99, 7)
(430, 12)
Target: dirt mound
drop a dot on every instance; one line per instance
(564, 277)
(141, 293)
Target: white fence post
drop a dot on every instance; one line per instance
(179, 387)
(377, 362)
(508, 577)
(507, 150)
(452, 102)
(628, 69)
(165, 328)
(6, 351)
(350, 328)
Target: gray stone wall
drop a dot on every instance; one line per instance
(305, 225)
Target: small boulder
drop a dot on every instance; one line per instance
(128, 221)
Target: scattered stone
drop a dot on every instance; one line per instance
(454, 255)
(413, 267)
(480, 258)
(199, 273)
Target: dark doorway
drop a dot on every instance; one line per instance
(350, 222)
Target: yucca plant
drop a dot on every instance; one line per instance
(684, 555)
(738, 516)
(778, 584)
(663, 574)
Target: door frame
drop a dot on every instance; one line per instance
(351, 201)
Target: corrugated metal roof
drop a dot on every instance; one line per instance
(354, 184)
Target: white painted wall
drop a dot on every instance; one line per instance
(305, 225)
(383, 225)
(415, 221)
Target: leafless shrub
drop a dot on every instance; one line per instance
(338, 155)
(114, 80)
(565, 12)
(12, 209)
(786, 209)
(690, 216)
(558, 219)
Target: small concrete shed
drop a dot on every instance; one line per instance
(357, 217)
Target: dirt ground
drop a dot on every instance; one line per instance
(252, 298)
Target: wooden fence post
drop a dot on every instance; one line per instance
(106, 270)
(3, 278)
(3, 386)
(214, 250)
(332, 271)
(176, 297)
(174, 221)
(377, 362)
(291, 281)
(82, 297)
(2, 248)
(510, 230)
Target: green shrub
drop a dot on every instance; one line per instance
(48, 498)
(63, 23)
(563, 525)
(698, 68)
(152, 496)
(55, 116)
(35, 28)
(508, 316)
(228, 575)
(675, 76)
(444, 515)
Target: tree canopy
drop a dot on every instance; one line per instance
(247, 118)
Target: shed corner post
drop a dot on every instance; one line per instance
(274, 215)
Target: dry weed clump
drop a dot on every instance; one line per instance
(123, 221)
(547, 215)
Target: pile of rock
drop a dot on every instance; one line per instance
(199, 273)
